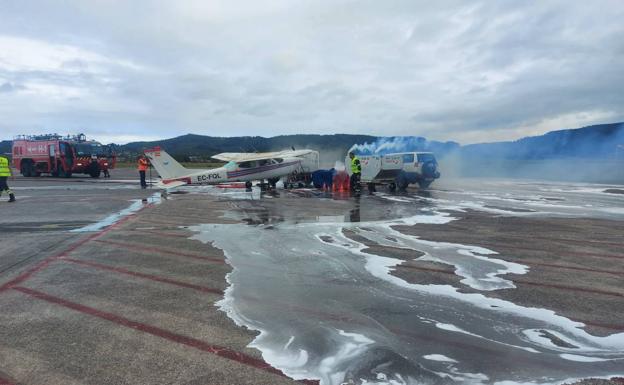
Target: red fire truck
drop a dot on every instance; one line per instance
(61, 156)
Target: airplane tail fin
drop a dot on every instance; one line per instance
(165, 165)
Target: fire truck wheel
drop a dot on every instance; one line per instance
(26, 168)
(392, 187)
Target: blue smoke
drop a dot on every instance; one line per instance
(393, 144)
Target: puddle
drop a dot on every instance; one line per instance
(327, 310)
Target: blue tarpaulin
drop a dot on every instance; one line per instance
(322, 178)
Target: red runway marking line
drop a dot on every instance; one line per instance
(571, 288)
(161, 223)
(526, 263)
(160, 233)
(41, 265)
(158, 332)
(601, 325)
(574, 268)
(4, 381)
(145, 276)
(159, 250)
(426, 269)
(555, 286)
(583, 242)
(559, 253)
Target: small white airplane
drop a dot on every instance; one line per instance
(240, 167)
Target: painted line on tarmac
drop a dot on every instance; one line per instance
(4, 381)
(160, 223)
(41, 265)
(571, 288)
(583, 242)
(600, 324)
(559, 253)
(160, 233)
(150, 277)
(159, 251)
(434, 270)
(519, 280)
(529, 263)
(588, 269)
(158, 332)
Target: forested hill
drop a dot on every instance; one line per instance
(201, 146)
(603, 141)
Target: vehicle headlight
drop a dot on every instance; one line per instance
(79, 164)
(105, 163)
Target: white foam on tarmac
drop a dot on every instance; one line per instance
(381, 267)
(577, 358)
(283, 352)
(114, 218)
(439, 357)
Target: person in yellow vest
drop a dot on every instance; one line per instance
(5, 173)
(356, 172)
(142, 165)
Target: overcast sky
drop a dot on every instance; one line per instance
(469, 71)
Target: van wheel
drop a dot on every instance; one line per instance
(424, 184)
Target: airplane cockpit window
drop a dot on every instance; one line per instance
(249, 164)
(278, 160)
(230, 165)
(264, 162)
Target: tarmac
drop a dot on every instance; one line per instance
(102, 282)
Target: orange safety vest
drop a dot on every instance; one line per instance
(143, 164)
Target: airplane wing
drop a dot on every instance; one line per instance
(249, 156)
(173, 184)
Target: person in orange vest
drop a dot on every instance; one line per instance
(143, 164)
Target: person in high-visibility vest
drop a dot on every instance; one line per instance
(5, 173)
(356, 172)
(143, 164)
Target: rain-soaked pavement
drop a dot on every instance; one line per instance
(328, 309)
(316, 275)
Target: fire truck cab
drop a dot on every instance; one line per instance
(61, 156)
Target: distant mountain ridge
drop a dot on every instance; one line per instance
(205, 146)
(600, 141)
(603, 141)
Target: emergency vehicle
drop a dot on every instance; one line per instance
(61, 156)
(398, 170)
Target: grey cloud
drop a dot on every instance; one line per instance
(403, 67)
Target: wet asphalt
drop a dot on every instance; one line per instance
(331, 280)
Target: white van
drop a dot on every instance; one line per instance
(398, 170)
